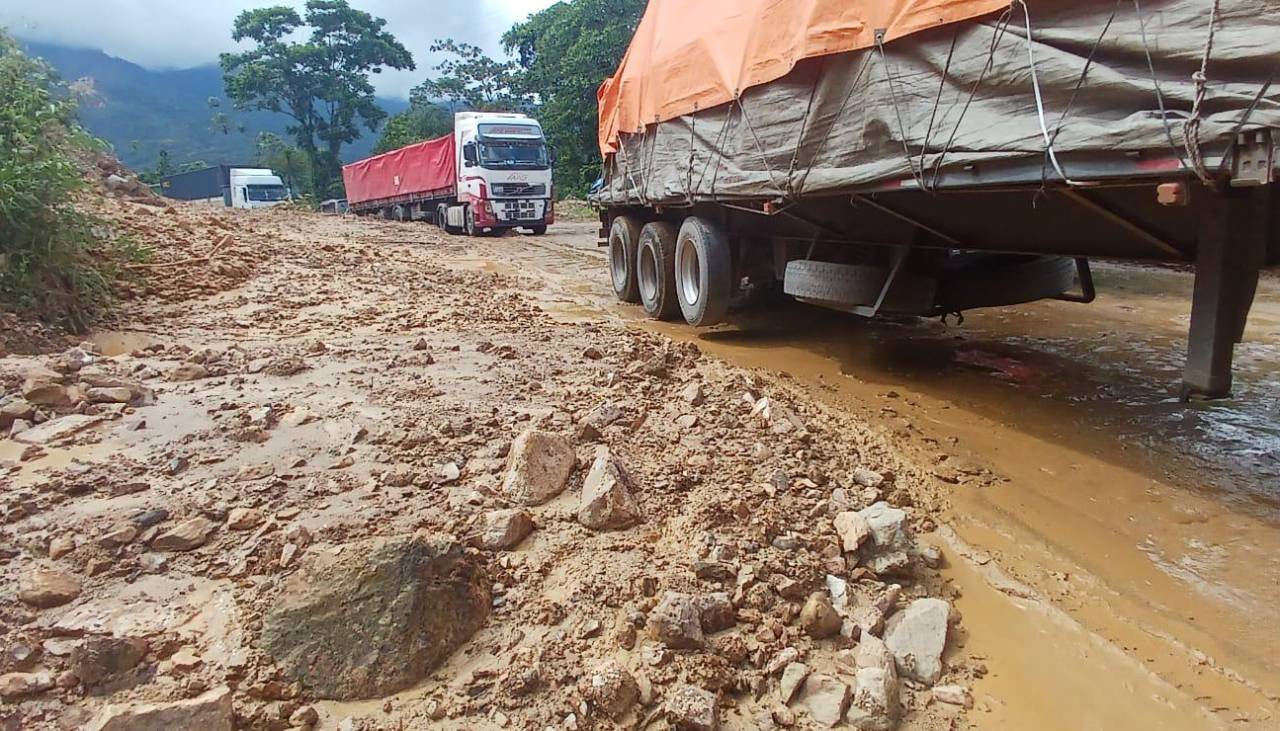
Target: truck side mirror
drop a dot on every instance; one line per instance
(469, 155)
(551, 154)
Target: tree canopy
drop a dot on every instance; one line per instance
(561, 55)
(423, 120)
(564, 53)
(321, 82)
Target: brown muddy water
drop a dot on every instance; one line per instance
(1120, 569)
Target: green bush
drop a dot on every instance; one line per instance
(55, 259)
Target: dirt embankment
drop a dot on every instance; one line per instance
(326, 481)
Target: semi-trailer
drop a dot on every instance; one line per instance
(492, 174)
(928, 157)
(235, 186)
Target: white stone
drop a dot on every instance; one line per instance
(917, 636)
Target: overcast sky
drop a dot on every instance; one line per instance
(185, 33)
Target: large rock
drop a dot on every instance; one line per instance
(887, 524)
(853, 529)
(875, 693)
(110, 395)
(689, 708)
(43, 393)
(15, 409)
(607, 502)
(818, 618)
(826, 699)
(716, 612)
(677, 622)
(59, 428)
(45, 587)
(501, 530)
(611, 689)
(917, 636)
(185, 536)
(17, 685)
(99, 659)
(538, 467)
(793, 677)
(209, 712)
(376, 616)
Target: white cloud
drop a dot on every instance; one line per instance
(186, 33)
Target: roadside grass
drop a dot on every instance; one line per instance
(57, 261)
(572, 210)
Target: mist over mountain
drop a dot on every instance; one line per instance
(141, 111)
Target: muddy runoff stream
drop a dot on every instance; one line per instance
(1117, 551)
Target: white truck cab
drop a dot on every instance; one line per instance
(256, 188)
(504, 173)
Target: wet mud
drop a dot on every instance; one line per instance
(1118, 551)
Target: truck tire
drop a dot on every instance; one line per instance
(538, 230)
(1003, 280)
(624, 242)
(470, 217)
(655, 270)
(831, 285)
(703, 272)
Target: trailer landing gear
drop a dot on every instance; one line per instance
(1232, 251)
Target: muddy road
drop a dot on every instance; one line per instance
(796, 520)
(1120, 550)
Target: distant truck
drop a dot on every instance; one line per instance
(236, 186)
(492, 174)
(927, 158)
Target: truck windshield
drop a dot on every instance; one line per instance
(513, 154)
(268, 193)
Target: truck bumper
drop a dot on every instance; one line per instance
(515, 213)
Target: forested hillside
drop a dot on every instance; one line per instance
(141, 112)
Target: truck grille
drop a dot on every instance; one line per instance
(519, 189)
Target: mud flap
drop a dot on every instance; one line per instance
(1231, 253)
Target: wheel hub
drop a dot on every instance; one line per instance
(689, 274)
(618, 262)
(648, 274)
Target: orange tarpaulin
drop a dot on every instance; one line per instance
(696, 54)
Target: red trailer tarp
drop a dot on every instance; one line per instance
(688, 56)
(410, 171)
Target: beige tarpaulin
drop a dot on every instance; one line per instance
(689, 55)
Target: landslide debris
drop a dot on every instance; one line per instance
(357, 467)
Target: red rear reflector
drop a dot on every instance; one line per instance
(1168, 163)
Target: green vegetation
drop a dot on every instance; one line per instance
(55, 259)
(469, 79)
(423, 120)
(287, 161)
(564, 53)
(322, 83)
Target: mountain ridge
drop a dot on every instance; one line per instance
(141, 111)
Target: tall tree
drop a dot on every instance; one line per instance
(322, 82)
(423, 120)
(564, 53)
(285, 159)
(469, 79)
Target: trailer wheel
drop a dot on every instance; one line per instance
(655, 270)
(703, 272)
(624, 243)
